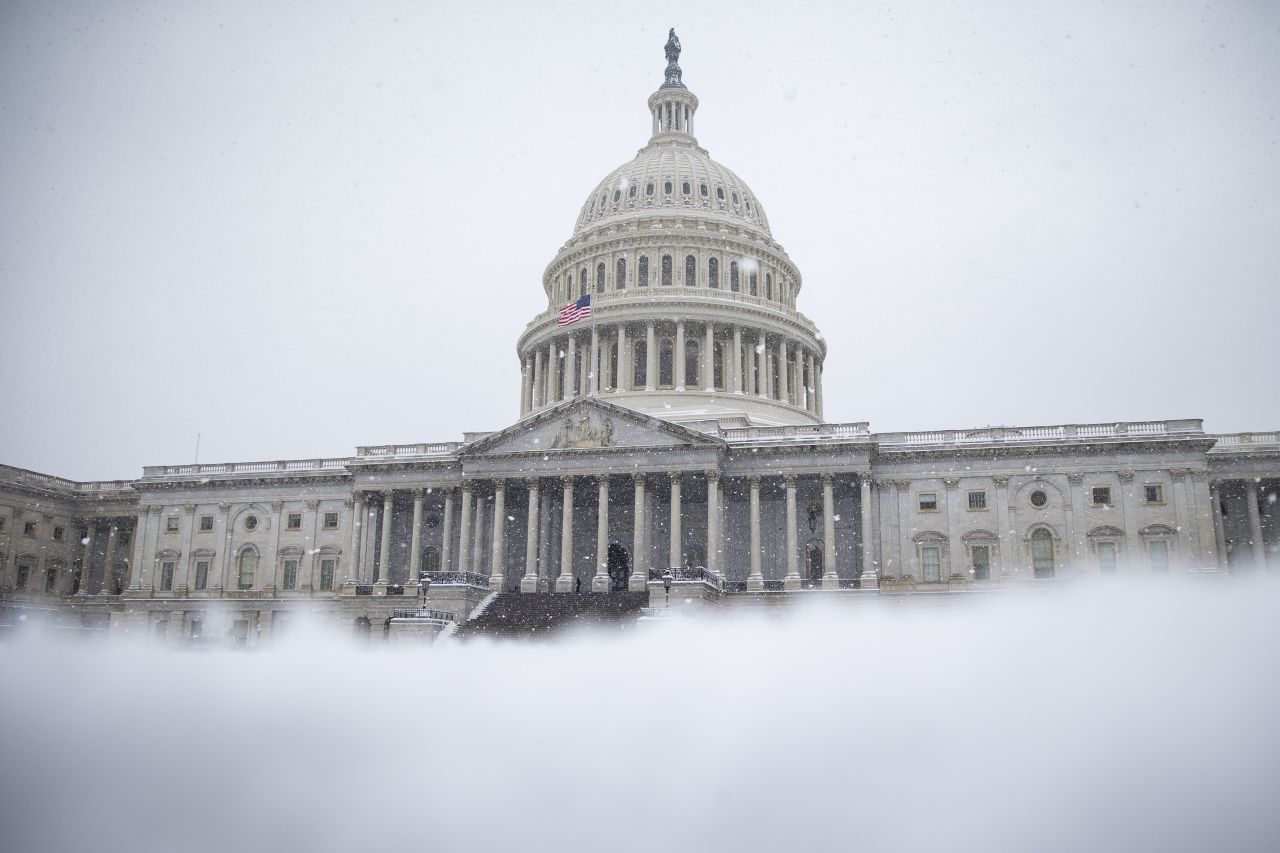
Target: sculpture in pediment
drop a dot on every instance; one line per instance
(582, 433)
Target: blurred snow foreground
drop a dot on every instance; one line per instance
(1112, 718)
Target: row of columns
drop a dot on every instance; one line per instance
(1256, 542)
(549, 373)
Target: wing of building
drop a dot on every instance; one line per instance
(670, 433)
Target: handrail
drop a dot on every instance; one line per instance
(457, 578)
(1029, 434)
(423, 613)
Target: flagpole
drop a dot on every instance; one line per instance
(595, 350)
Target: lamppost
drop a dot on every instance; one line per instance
(667, 578)
(424, 584)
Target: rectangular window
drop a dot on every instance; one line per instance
(24, 573)
(930, 557)
(1107, 558)
(330, 520)
(326, 573)
(977, 500)
(642, 271)
(171, 524)
(294, 521)
(50, 579)
(928, 502)
(290, 574)
(1102, 496)
(166, 575)
(1153, 493)
(1159, 551)
(58, 534)
(981, 562)
(29, 529)
(202, 574)
(206, 523)
(3, 521)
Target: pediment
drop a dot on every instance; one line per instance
(587, 425)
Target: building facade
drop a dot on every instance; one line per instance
(679, 429)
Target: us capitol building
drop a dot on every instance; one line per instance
(674, 437)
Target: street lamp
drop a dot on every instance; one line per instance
(667, 578)
(424, 584)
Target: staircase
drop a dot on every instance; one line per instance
(531, 615)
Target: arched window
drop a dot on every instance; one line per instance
(620, 281)
(720, 193)
(666, 188)
(666, 363)
(735, 199)
(617, 196)
(582, 283)
(768, 285)
(703, 190)
(684, 188)
(1042, 553)
(692, 364)
(604, 197)
(599, 278)
(753, 283)
(733, 276)
(648, 188)
(642, 271)
(717, 366)
(639, 364)
(631, 191)
(690, 271)
(666, 270)
(246, 567)
(713, 273)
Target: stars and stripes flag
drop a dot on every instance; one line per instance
(575, 311)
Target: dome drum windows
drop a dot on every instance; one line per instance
(666, 188)
(648, 189)
(666, 363)
(642, 270)
(639, 364)
(582, 283)
(690, 271)
(631, 191)
(768, 286)
(702, 190)
(692, 363)
(685, 189)
(753, 283)
(713, 273)
(620, 281)
(666, 271)
(600, 278)
(733, 277)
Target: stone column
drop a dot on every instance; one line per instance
(1132, 542)
(529, 583)
(709, 365)
(830, 578)
(651, 358)
(139, 551)
(86, 561)
(906, 543)
(784, 385)
(1075, 483)
(357, 522)
(1006, 537)
(384, 543)
(602, 582)
(226, 551)
(736, 366)
(1188, 536)
(415, 540)
(676, 552)
(497, 563)
(552, 372)
(571, 367)
(1202, 514)
(539, 383)
(1255, 525)
(564, 582)
(869, 578)
(593, 370)
(762, 378)
(792, 580)
(446, 532)
(679, 356)
(478, 521)
(109, 570)
(811, 385)
(526, 385)
(713, 523)
(464, 528)
(755, 580)
(639, 551)
(955, 548)
(1219, 529)
(626, 363)
(546, 533)
(180, 580)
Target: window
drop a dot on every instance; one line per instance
(59, 533)
(291, 573)
(928, 502)
(206, 523)
(980, 562)
(24, 574)
(328, 565)
(29, 528)
(171, 524)
(713, 273)
(166, 575)
(1153, 493)
(1042, 553)
(1039, 499)
(251, 523)
(51, 577)
(684, 188)
(978, 500)
(330, 521)
(717, 366)
(294, 521)
(604, 198)
(620, 280)
(1158, 551)
(735, 199)
(666, 363)
(202, 575)
(931, 560)
(582, 282)
(666, 270)
(2, 523)
(648, 188)
(691, 363)
(599, 278)
(733, 276)
(753, 283)
(640, 364)
(1102, 496)
(642, 271)
(666, 188)
(720, 193)
(631, 191)
(246, 568)
(768, 285)
(690, 271)
(617, 196)
(702, 190)
(1107, 558)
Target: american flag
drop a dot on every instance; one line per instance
(575, 311)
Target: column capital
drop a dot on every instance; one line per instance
(467, 486)
(499, 484)
(348, 503)
(1199, 476)
(828, 477)
(224, 506)
(902, 484)
(1179, 473)
(156, 510)
(1001, 480)
(754, 480)
(790, 480)
(713, 477)
(1075, 478)
(313, 505)
(189, 509)
(951, 483)
(533, 482)
(1125, 476)
(675, 476)
(276, 506)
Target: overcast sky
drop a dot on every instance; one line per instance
(294, 228)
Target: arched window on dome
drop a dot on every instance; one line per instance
(631, 191)
(599, 278)
(617, 196)
(642, 271)
(666, 188)
(753, 283)
(639, 364)
(582, 283)
(685, 188)
(717, 366)
(713, 273)
(690, 271)
(666, 363)
(692, 363)
(733, 276)
(768, 285)
(735, 199)
(702, 189)
(666, 270)
(604, 199)
(620, 281)
(719, 193)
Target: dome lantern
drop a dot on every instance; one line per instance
(671, 108)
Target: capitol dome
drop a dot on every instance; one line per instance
(671, 297)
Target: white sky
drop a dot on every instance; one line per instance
(299, 227)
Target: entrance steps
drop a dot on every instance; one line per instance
(529, 615)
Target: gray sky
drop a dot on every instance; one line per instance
(299, 227)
